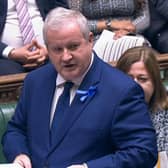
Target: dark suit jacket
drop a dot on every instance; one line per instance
(111, 128)
(43, 5)
(157, 33)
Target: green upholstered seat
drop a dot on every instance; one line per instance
(10, 88)
(6, 112)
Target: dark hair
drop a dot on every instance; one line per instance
(148, 55)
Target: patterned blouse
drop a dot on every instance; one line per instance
(160, 122)
(96, 10)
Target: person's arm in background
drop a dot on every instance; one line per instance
(140, 21)
(112, 25)
(24, 54)
(126, 22)
(101, 21)
(142, 18)
(161, 6)
(2, 47)
(137, 24)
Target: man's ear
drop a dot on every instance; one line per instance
(91, 37)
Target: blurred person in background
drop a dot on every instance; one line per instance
(15, 56)
(141, 65)
(122, 16)
(157, 32)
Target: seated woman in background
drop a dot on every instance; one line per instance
(122, 17)
(140, 63)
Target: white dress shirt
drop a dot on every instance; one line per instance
(11, 34)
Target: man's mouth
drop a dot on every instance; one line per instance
(69, 66)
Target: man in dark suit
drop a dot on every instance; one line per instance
(157, 32)
(106, 124)
(14, 56)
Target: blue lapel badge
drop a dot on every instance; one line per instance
(87, 93)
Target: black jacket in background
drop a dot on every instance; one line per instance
(157, 33)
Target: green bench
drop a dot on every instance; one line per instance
(6, 112)
(10, 87)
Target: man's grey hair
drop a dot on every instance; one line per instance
(59, 16)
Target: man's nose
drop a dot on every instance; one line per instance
(66, 54)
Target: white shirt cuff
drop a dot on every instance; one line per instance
(85, 165)
(6, 51)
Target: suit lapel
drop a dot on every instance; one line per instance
(77, 107)
(46, 96)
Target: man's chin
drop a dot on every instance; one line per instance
(69, 76)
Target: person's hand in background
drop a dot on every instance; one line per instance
(123, 25)
(30, 55)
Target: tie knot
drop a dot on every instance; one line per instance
(68, 85)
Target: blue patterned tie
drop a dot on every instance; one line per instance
(62, 106)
